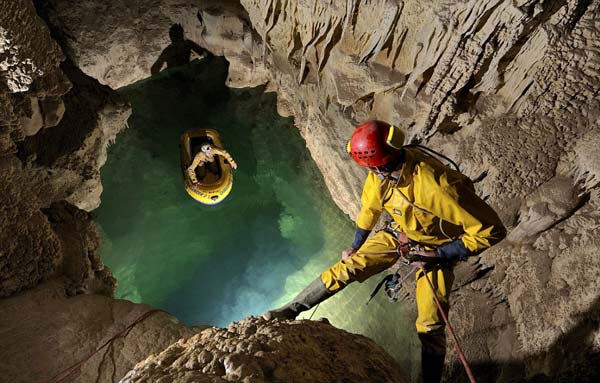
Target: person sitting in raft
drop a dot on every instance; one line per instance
(207, 154)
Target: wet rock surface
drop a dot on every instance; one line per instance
(255, 350)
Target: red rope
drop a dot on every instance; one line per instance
(456, 342)
(68, 371)
(461, 355)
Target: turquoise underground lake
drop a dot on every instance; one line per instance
(275, 233)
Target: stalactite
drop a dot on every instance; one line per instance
(382, 33)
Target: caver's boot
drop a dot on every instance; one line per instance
(432, 365)
(311, 296)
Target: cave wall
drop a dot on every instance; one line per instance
(56, 124)
(509, 89)
(55, 292)
(117, 43)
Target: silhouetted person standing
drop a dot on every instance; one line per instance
(178, 52)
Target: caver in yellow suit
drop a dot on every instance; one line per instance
(435, 206)
(207, 154)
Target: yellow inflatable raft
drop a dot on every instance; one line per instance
(215, 178)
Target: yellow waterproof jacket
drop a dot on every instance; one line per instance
(201, 158)
(432, 204)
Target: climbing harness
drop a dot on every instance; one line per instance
(393, 284)
(407, 250)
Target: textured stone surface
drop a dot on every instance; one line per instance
(56, 332)
(29, 73)
(255, 350)
(117, 43)
(60, 163)
(27, 53)
(509, 89)
(29, 249)
(55, 125)
(75, 149)
(54, 131)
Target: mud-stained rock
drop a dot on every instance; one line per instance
(255, 350)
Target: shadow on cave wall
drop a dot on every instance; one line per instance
(178, 52)
(571, 359)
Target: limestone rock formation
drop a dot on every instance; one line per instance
(255, 350)
(75, 149)
(27, 53)
(56, 124)
(57, 163)
(509, 89)
(43, 333)
(117, 43)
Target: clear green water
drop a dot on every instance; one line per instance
(276, 232)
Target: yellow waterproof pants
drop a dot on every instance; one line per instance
(430, 324)
(362, 265)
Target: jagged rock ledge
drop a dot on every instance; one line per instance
(254, 350)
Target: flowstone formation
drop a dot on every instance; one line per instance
(255, 350)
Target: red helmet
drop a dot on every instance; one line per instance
(375, 143)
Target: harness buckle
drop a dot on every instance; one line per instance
(392, 290)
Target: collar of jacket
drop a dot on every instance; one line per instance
(406, 172)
